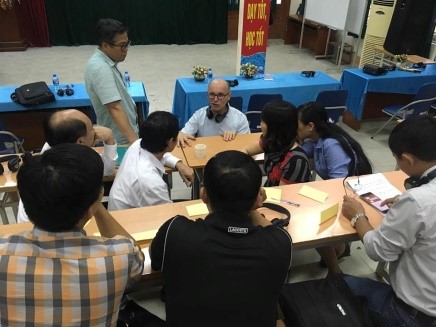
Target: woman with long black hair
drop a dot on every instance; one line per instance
(285, 161)
(335, 155)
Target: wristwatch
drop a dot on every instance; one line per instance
(356, 218)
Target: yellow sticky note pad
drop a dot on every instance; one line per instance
(313, 193)
(197, 209)
(329, 213)
(273, 193)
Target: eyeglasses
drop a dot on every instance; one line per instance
(220, 96)
(124, 46)
(351, 190)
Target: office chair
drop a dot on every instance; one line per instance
(334, 102)
(421, 103)
(236, 102)
(255, 105)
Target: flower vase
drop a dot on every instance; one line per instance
(199, 78)
(248, 76)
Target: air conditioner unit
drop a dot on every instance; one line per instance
(379, 19)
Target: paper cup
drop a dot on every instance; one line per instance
(200, 151)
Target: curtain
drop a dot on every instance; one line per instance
(33, 22)
(149, 21)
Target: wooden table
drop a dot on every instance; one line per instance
(385, 57)
(214, 145)
(314, 35)
(304, 227)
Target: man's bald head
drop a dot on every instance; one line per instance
(68, 126)
(219, 95)
(219, 83)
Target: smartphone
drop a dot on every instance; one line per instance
(374, 201)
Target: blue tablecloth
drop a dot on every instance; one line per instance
(359, 84)
(78, 99)
(190, 95)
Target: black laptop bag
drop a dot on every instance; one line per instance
(322, 303)
(33, 94)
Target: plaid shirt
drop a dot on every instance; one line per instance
(64, 279)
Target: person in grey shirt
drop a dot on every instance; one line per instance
(406, 238)
(110, 98)
(218, 118)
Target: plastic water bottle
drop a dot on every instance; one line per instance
(55, 80)
(260, 72)
(127, 79)
(209, 74)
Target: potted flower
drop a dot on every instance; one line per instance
(401, 59)
(200, 73)
(248, 70)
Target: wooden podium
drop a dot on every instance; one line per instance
(11, 37)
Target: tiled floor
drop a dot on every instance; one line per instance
(157, 66)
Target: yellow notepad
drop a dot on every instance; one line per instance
(197, 209)
(313, 193)
(329, 213)
(273, 194)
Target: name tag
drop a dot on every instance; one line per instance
(238, 230)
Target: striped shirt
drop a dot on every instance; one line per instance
(289, 166)
(64, 279)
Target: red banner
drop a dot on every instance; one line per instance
(255, 27)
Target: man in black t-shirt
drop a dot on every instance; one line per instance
(226, 269)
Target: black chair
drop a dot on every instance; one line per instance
(236, 102)
(334, 102)
(421, 104)
(9, 144)
(255, 105)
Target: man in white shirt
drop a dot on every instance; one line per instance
(407, 236)
(218, 118)
(73, 126)
(139, 181)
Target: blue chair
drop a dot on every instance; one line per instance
(420, 105)
(236, 102)
(334, 102)
(255, 105)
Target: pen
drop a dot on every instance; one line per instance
(287, 202)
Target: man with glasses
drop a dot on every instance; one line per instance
(112, 102)
(218, 118)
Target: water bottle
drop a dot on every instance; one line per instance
(209, 74)
(55, 80)
(127, 79)
(260, 72)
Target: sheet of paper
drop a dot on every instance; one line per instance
(273, 194)
(376, 184)
(197, 209)
(329, 213)
(313, 193)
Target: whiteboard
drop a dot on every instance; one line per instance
(332, 13)
(356, 14)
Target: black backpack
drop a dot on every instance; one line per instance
(33, 94)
